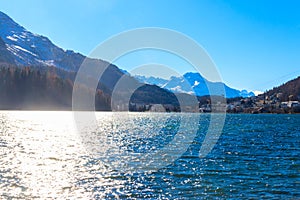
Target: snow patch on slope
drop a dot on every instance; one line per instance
(11, 38)
(25, 50)
(196, 83)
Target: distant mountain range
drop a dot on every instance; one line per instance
(20, 47)
(194, 83)
(23, 53)
(37, 74)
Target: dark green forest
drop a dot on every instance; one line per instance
(40, 88)
(49, 88)
(28, 88)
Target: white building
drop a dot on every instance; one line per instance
(292, 104)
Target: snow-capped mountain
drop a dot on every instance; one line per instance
(32, 49)
(151, 80)
(19, 46)
(194, 83)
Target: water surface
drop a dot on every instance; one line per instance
(43, 156)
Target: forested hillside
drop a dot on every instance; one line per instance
(41, 88)
(289, 90)
(28, 88)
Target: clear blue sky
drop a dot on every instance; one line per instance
(254, 43)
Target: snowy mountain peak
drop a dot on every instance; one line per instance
(194, 83)
(31, 49)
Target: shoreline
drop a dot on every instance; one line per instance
(110, 111)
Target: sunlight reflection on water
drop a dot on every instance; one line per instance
(42, 156)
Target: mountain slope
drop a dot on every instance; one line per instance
(194, 83)
(20, 48)
(5, 55)
(29, 88)
(24, 48)
(28, 48)
(287, 91)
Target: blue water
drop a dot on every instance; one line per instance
(256, 156)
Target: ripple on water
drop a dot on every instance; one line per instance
(42, 156)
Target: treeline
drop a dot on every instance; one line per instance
(28, 88)
(40, 88)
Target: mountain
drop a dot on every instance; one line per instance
(289, 91)
(194, 83)
(19, 48)
(151, 80)
(283, 99)
(5, 55)
(24, 48)
(31, 49)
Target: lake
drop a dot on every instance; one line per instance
(42, 155)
